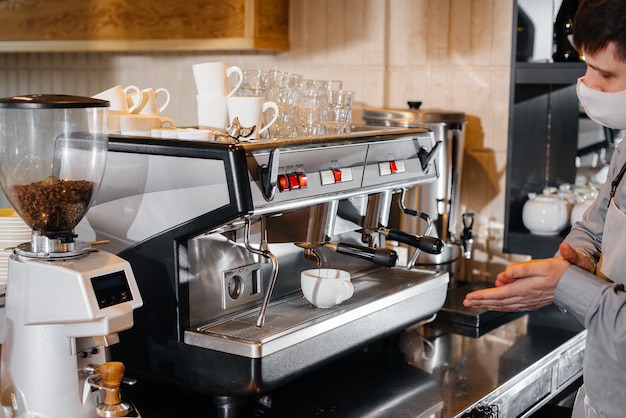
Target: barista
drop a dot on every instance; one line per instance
(569, 279)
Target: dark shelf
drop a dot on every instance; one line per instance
(548, 72)
(537, 246)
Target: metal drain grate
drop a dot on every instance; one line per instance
(279, 318)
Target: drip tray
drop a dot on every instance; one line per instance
(473, 322)
(384, 301)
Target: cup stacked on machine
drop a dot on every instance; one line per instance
(133, 111)
(212, 85)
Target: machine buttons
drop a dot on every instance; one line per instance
(336, 175)
(292, 178)
(391, 167)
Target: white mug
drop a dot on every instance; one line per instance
(146, 103)
(250, 111)
(142, 125)
(117, 97)
(326, 288)
(212, 78)
(212, 112)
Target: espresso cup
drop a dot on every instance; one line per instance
(142, 125)
(250, 112)
(117, 97)
(212, 78)
(326, 288)
(146, 102)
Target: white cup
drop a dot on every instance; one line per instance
(146, 103)
(212, 78)
(142, 125)
(326, 288)
(212, 112)
(250, 111)
(117, 97)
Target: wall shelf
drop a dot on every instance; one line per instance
(542, 147)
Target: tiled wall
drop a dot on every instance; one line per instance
(450, 54)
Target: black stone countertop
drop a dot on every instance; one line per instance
(424, 370)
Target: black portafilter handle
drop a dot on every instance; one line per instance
(380, 256)
(430, 245)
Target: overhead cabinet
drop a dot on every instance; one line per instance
(143, 25)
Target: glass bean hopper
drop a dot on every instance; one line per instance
(53, 152)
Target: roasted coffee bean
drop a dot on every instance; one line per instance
(53, 205)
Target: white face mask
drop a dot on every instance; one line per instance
(608, 109)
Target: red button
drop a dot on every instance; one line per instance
(283, 182)
(293, 181)
(302, 180)
(337, 175)
(393, 167)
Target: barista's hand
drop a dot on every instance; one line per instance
(570, 254)
(521, 287)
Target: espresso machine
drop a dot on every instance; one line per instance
(65, 300)
(218, 232)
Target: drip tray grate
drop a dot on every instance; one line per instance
(278, 318)
(398, 295)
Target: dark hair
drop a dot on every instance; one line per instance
(599, 22)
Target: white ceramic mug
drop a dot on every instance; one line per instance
(250, 111)
(146, 103)
(212, 78)
(142, 125)
(212, 112)
(326, 288)
(117, 97)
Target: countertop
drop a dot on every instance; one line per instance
(426, 371)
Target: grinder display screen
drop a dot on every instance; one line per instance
(111, 289)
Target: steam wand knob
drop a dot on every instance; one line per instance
(425, 156)
(268, 175)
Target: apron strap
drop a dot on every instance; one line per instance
(616, 181)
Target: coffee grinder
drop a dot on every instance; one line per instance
(65, 301)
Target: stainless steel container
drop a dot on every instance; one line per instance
(439, 199)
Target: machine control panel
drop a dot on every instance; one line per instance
(111, 289)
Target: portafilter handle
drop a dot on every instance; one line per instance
(430, 245)
(380, 256)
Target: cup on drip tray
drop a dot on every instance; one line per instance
(326, 288)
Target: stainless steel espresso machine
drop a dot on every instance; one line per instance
(218, 232)
(65, 301)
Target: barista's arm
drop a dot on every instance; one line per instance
(599, 305)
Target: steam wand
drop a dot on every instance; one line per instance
(265, 252)
(422, 215)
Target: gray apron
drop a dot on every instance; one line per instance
(611, 266)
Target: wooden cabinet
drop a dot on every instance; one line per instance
(542, 147)
(143, 25)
